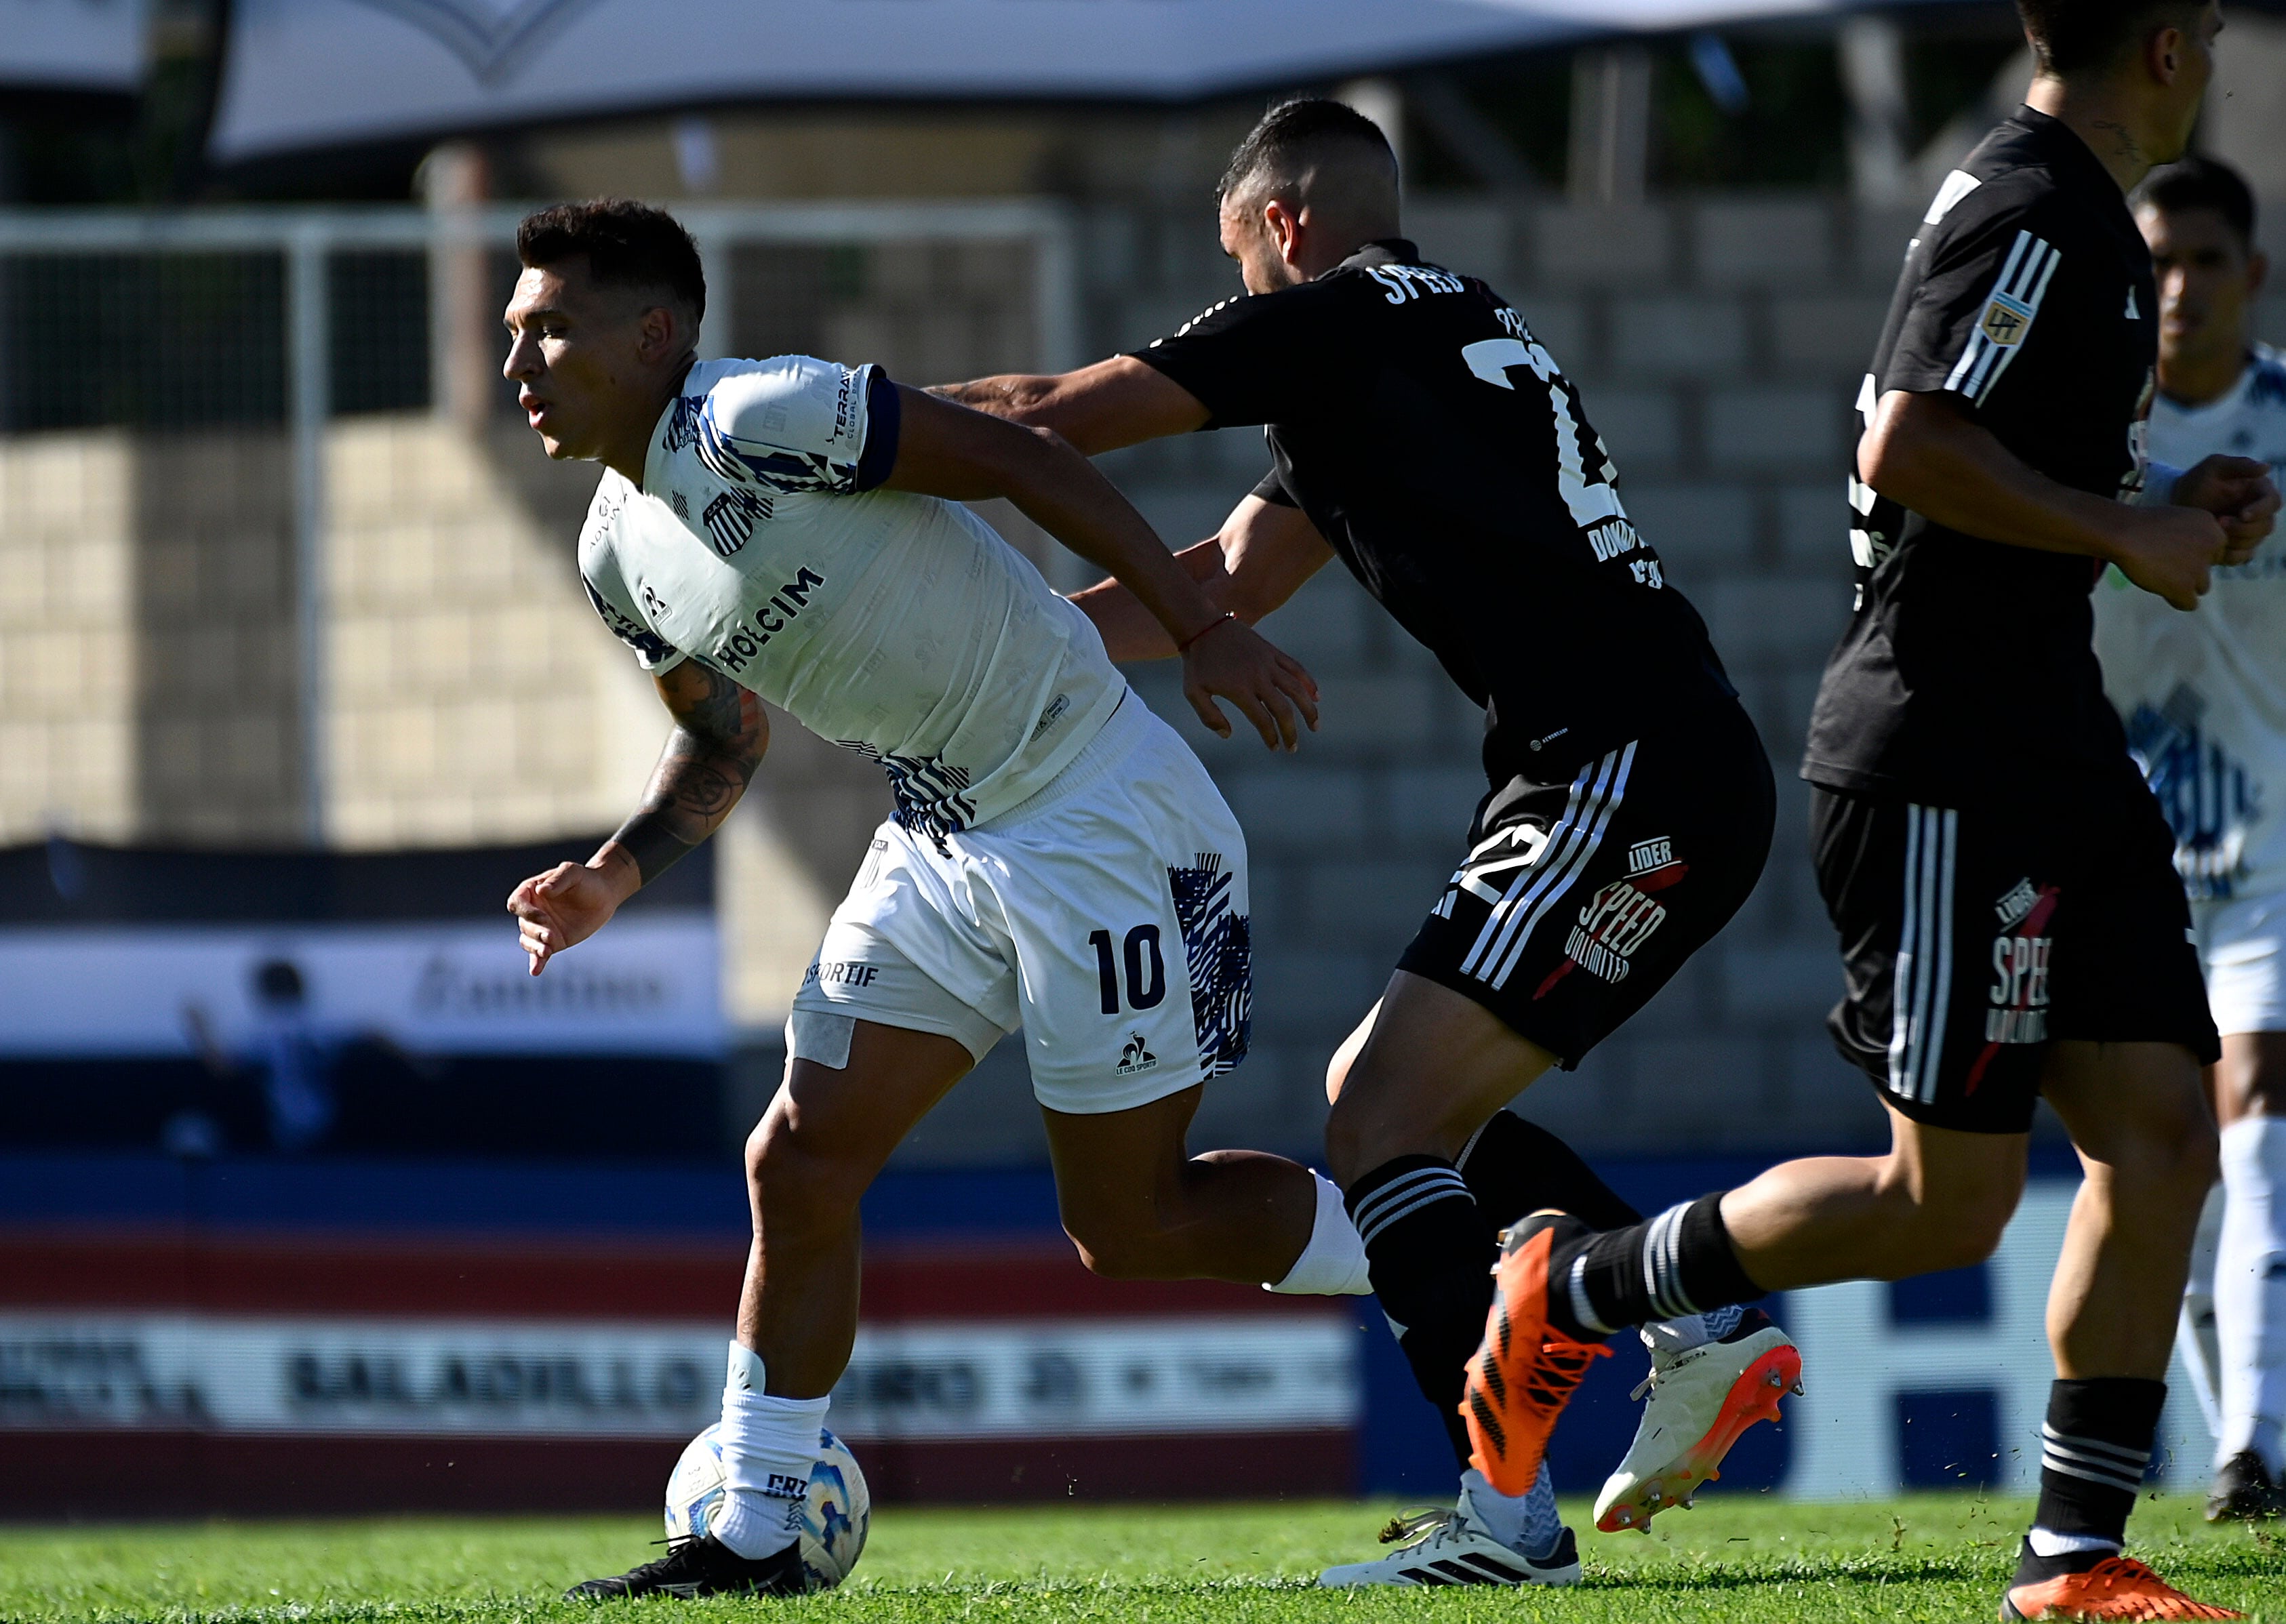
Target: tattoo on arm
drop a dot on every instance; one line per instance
(719, 735)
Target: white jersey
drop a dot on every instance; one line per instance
(897, 626)
(2205, 694)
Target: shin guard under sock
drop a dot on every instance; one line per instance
(2095, 1446)
(1679, 1263)
(769, 1446)
(1430, 1253)
(1514, 1167)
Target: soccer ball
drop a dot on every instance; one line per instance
(834, 1519)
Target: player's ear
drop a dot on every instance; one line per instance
(2257, 270)
(2162, 53)
(661, 335)
(1283, 227)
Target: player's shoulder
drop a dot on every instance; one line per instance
(1258, 311)
(781, 400)
(1973, 210)
(788, 422)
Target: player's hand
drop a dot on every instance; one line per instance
(562, 908)
(1234, 662)
(2171, 551)
(2238, 492)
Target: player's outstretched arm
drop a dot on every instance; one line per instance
(949, 451)
(1926, 451)
(1099, 408)
(720, 732)
(1259, 558)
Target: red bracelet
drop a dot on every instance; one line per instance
(1184, 647)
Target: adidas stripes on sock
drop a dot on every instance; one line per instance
(2095, 1446)
(1430, 1253)
(1678, 1264)
(1514, 1167)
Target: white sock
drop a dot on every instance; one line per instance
(1666, 1339)
(2250, 1289)
(2195, 1327)
(2048, 1542)
(769, 1447)
(1332, 1263)
(1528, 1523)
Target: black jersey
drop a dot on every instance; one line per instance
(1438, 448)
(1966, 667)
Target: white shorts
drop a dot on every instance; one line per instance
(1107, 917)
(2242, 949)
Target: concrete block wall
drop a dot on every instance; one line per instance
(216, 669)
(147, 657)
(469, 699)
(68, 644)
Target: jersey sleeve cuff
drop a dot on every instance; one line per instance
(2159, 480)
(1156, 357)
(883, 414)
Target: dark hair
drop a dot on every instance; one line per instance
(2068, 35)
(278, 982)
(627, 245)
(1289, 130)
(2202, 183)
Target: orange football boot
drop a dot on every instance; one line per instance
(1525, 1371)
(2115, 1587)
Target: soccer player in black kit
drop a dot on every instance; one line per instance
(2012, 926)
(1422, 435)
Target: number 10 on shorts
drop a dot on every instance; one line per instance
(1146, 967)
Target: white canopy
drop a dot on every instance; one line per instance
(303, 73)
(73, 44)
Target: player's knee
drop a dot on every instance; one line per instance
(2179, 1156)
(1952, 1229)
(791, 1182)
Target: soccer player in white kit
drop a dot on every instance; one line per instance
(789, 530)
(2205, 697)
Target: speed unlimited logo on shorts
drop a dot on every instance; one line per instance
(1621, 916)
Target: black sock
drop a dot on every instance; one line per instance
(1430, 1254)
(1514, 1167)
(2094, 1450)
(1679, 1263)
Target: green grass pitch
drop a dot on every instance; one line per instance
(1937, 1557)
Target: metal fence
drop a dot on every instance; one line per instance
(284, 319)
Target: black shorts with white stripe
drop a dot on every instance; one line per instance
(1579, 899)
(1970, 938)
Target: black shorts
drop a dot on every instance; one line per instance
(1579, 899)
(1972, 937)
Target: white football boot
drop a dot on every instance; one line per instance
(1702, 1401)
(1451, 1548)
